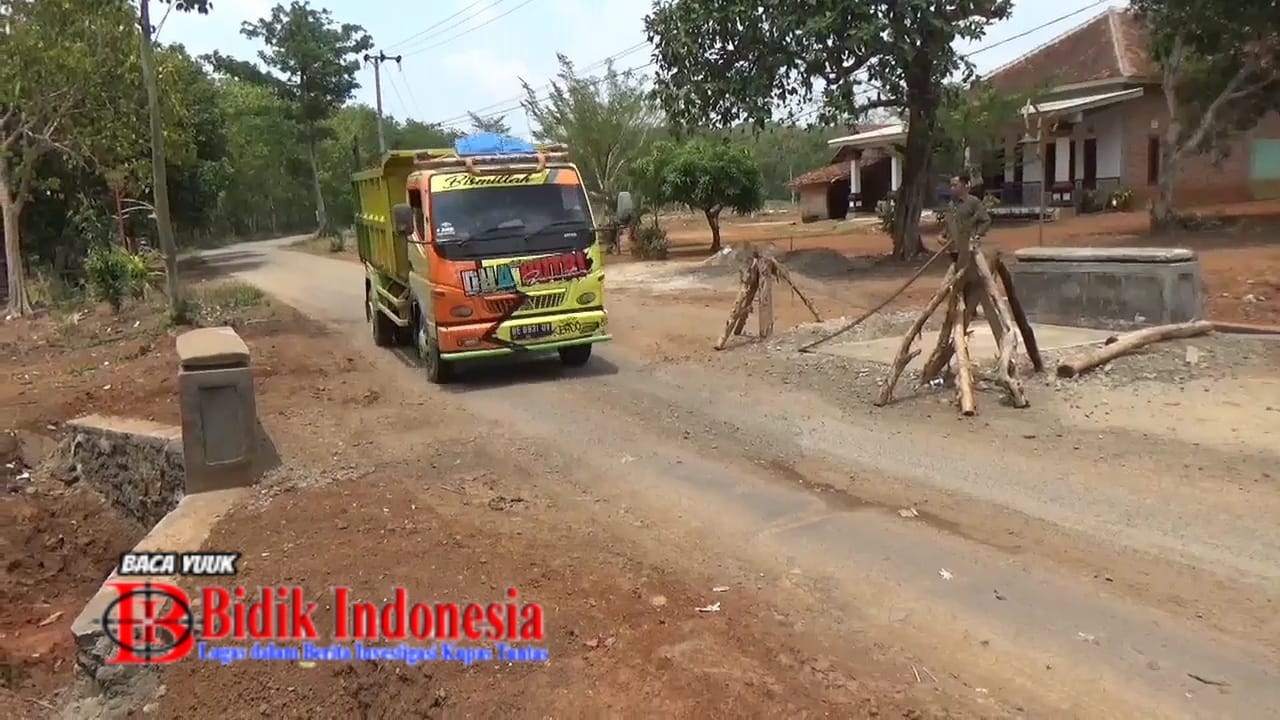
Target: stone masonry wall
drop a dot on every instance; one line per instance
(136, 465)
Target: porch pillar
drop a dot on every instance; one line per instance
(855, 181)
(1010, 152)
(895, 170)
(1061, 159)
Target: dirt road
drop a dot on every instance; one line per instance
(1081, 574)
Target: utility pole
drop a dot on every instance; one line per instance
(376, 61)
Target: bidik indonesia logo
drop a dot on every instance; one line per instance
(159, 622)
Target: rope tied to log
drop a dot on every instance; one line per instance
(849, 326)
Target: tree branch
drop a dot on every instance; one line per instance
(1210, 115)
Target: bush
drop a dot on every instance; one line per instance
(337, 243)
(114, 274)
(884, 212)
(649, 243)
(1120, 199)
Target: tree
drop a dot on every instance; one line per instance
(1220, 67)
(159, 170)
(723, 61)
(710, 175)
(496, 124)
(977, 117)
(64, 61)
(311, 62)
(607, 121)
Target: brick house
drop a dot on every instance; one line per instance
(1100, 112)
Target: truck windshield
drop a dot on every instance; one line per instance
(493, 221)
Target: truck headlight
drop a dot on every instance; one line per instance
(586, 298)
(460, 311)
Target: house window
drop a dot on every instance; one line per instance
(1153, 160)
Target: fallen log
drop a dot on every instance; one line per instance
(1130, 342)
(1245, 328)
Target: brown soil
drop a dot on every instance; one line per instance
(363, 500)
(323, 248)
(848, 273)
(58, 544)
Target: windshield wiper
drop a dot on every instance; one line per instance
(556, 224)
(493, 234)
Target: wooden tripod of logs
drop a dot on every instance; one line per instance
(758, 280)
(968, 284)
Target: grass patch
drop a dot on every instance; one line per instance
(232, 295)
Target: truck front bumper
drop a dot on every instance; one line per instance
(540, 333)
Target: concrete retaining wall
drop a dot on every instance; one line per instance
(135, 464)
(1109, 288)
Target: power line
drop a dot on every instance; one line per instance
(435, 25)
(468, 31)
(513, 104)
(518, 100)
(516, 106)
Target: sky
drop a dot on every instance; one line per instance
(461, 55)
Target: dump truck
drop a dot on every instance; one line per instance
(485, 249)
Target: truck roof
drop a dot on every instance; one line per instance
(399, 159)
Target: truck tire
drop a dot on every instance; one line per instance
(439, 370)
(575, 355)
(384, 330)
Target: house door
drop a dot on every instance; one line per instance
(1091, 164)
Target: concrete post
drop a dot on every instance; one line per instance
(219, 412)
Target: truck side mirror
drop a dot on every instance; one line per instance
(402, 219)
(626, 208)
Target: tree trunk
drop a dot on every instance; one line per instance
(12, 209)
(1162, 216)
(915, 175)
(713, 219)
(159, 174)
(322, 217)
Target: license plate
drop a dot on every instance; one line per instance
(530, 332)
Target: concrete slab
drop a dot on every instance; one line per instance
(185, 529)
(981, 344)
(211, 347)
(1104, 254)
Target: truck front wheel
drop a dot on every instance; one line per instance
(439, 371)
(575, 355)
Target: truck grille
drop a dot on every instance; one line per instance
(545, 301)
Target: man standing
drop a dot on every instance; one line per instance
(969, 219)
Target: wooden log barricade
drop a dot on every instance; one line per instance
(969, 283)
(758, 280)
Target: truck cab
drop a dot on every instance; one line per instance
(488, 248)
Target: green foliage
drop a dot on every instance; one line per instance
(706, 174)
(311, 63)
(1120, 199)
(115, 274)
(496, 124)
(337, 243)
(884, 214)
(606, 120)
(649, 242)
(726, 61)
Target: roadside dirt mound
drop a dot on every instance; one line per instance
(819, 262)
(733, 257)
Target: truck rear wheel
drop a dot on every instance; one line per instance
(439, 370)
(575, 355)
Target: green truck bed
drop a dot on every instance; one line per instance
(378, 190)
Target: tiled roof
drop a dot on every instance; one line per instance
(1111, 46)
(822, 176)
